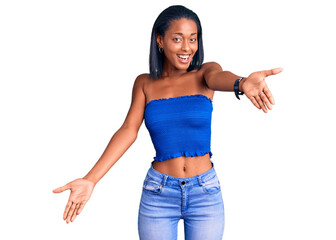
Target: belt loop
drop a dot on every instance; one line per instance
(200, 181)
(164, 179)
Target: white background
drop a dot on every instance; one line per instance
(67, 69)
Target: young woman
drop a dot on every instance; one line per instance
(175, 101)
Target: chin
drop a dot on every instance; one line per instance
(182, 66)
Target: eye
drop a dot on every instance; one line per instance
(177, 39)
(193, 40)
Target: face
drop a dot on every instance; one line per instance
(179, 43)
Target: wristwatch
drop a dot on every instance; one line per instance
(236, 87)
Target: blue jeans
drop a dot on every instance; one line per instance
(166, 199)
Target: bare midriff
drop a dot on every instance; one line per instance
(184, 167)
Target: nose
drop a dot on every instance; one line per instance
(185, 46)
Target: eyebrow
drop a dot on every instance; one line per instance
(182, 34)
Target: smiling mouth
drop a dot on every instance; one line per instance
(184, 57)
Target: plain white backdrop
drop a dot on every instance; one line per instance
(67, 69)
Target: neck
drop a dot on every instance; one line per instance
(170, 71)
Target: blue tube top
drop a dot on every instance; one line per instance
(180, 126)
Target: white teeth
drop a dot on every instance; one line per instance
(184, 57)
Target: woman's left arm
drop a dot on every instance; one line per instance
(254, 86)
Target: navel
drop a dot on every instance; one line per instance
(184, 168)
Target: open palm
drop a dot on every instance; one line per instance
(81, 190)
(256, 90)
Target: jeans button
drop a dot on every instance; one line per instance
(183, 182)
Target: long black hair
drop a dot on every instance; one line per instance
(161, 24)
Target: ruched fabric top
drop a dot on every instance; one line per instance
(180, 126)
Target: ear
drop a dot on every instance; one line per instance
(159, 40)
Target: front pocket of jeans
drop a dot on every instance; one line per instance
(152, 186)
(212, 186)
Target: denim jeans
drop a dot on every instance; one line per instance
(166, 199)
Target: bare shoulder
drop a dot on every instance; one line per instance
(208, 69)
(135, 114)
(210, 66)
(141, 81)
(142, 78)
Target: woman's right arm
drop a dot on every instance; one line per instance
(125, 136)
(82, 188)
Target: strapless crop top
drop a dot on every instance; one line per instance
(180, 126)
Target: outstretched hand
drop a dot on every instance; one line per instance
(255, 88)
(81, 190)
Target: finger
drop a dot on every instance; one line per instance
(261, 103)
(266, 101)
(66, 211)
(81, 207)
(61, 189)
(74, 213)
(272, 71)
(254, 101)
(73, 217)
(72, 208)
(269, 95)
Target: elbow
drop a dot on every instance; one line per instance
(130, 132)
(135, 136)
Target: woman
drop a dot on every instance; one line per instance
(175, 100)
